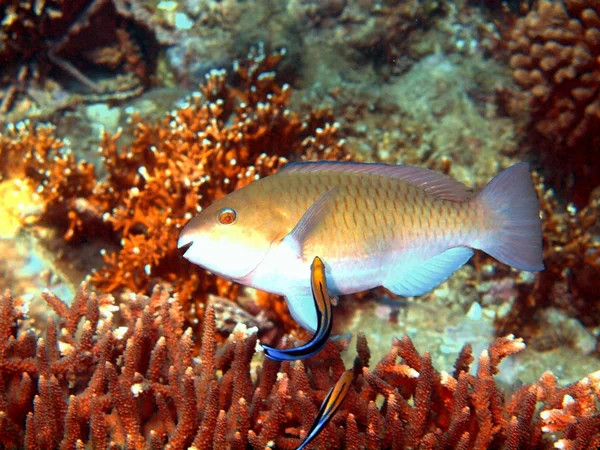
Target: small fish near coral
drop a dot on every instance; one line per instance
(405, 228)
(332, 402)
(322, 304)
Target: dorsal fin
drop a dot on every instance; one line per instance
(434, 183)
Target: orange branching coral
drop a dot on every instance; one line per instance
(33, 152)
(24, 141)
(555, 51)
(106, 377)
(222, 138)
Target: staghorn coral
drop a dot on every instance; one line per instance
(41, 42)
(555, 50)
(127, 377)
(221, 138)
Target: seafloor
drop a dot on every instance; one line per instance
(119, 118)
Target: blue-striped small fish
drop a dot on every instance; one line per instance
(322, 302)
(329, 407)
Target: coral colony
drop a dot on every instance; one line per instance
(108, 377)
(142, 350)
(220, 140)
(554, 57)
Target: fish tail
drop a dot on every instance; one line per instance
(512, 208)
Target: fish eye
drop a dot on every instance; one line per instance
(227, 216)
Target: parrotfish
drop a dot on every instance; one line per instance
(322, 304)
(402, 227)
(332, 402)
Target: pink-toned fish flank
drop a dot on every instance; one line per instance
(401, 227)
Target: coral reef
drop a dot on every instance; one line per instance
(128, 377)
(44, 44)
(381, 31)
(220, 139)
(406, 82)
(356, 38)
(555, 50)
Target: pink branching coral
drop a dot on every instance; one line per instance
(128, 377)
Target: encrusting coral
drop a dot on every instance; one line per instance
(222, 138)
(129, 377)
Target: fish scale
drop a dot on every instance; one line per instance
(405, 228)
(350, 230)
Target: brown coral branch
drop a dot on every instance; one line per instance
(555, 49)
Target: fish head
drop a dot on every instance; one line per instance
(232, 236)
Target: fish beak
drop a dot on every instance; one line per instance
(186, 240)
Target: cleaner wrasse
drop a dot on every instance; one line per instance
(334, 399)
(322, 303)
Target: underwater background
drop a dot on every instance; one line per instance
(119, 119)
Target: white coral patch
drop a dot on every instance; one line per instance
(64, 348)
(137, 389)
(120, 332)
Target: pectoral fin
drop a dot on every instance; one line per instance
(303, 310)
(310, 220)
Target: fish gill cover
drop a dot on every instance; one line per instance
(124, 158)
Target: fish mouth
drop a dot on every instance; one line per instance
(185, 243)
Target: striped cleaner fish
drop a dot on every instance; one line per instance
(332, 402)
(405, 228)
(322, 303)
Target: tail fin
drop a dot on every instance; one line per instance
(516, 238)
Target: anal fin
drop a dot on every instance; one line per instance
(420, 279)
